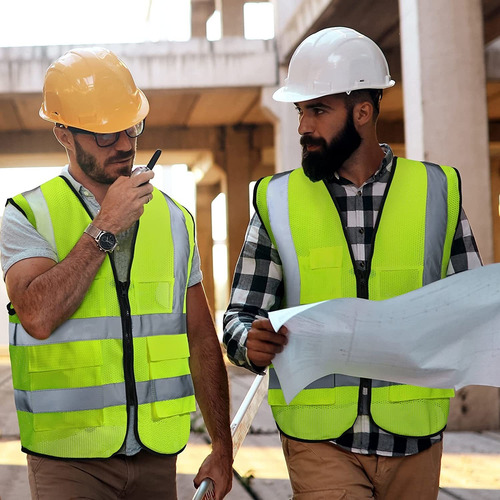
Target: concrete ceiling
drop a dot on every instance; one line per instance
(169, 108)
(201, 108)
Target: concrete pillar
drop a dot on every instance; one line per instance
(286, 137)
(444, 85)
(232, 18)
(204, 197)
(446, 122)
(237, 158)
(495, 196)
(201, 10)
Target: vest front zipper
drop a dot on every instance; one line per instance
(128, 347)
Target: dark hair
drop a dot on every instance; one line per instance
(373, 95)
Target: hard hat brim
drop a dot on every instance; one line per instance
(284, 94)
(108, 127)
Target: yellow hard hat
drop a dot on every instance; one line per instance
(92, 89)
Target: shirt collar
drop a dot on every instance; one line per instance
(87, 195)
(79, 188)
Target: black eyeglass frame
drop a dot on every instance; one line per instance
(100, 138)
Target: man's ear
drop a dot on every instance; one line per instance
(363, 113)
(64, 137)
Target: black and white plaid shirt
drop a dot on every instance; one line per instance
(258, 288)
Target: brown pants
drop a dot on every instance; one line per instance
(134, 478)
(325, 471)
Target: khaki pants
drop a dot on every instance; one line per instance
(139, 477)
(325, 471)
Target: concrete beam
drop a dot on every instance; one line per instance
(197, 63)
(28, 149)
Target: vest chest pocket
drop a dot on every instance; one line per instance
(153, 297)
(321, 274)
(386, 282)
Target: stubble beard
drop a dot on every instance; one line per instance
(93, 169)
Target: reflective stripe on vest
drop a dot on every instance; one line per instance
(318, 265)
(75, 330)
(84, 398)
(70, 389)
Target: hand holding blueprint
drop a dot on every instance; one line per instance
(444, 335)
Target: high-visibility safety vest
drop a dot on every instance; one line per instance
(411, 248)
(125, 346)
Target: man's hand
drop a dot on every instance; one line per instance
(124, 202)
(218, 466)
(263, 343)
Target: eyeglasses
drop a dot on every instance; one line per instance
(106, 140)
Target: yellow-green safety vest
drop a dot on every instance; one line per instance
(411, 248)
(126, 344)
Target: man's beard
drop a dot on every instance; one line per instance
(91, 167)
(322, 165)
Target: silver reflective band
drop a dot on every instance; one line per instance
(326, 382)
(74, 330)
(181, 254)
(435, 222)
(99, 397)
(277, 203)
(41, 212)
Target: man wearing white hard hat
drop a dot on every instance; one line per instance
(111, 338)
(353, 221)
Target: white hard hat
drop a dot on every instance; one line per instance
(333, 61)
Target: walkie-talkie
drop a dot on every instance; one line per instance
(149, 166)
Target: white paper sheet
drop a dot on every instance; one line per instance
(443, 335)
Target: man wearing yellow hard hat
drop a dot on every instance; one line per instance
(111, 337)
(354, 221)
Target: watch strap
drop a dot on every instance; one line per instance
(93, 231)
(97, 233)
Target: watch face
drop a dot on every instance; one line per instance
(107, 241)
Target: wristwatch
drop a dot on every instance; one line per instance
(105, 240)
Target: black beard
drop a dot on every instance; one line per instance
(88, 163)
(322, 165)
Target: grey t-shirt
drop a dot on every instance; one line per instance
(19, 240)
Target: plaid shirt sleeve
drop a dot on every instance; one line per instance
(464, 251)
(257, 288)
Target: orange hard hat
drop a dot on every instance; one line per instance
(92, 89)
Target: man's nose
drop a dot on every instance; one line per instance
(124, 142)
(305, 125)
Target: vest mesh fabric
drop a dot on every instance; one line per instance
(318, 239)
(68, 364)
